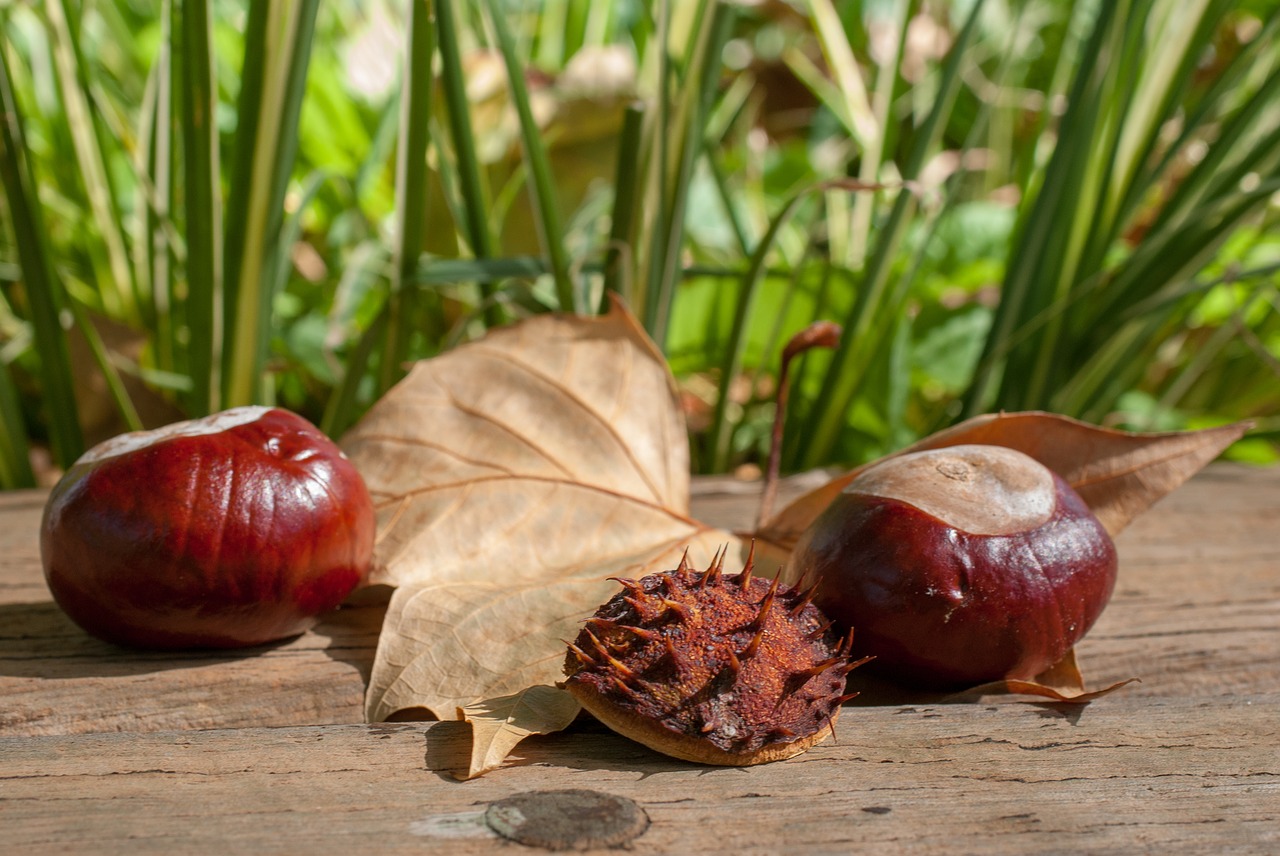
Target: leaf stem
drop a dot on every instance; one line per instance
(819, 334)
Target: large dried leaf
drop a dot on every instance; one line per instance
(512, 477)
(524, 452)
(1118, 473)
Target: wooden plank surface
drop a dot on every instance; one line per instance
(1128, 775)
(102, 749)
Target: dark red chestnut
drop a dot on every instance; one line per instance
(960, 565)
(228, 531)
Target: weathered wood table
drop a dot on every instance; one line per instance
(103, 750)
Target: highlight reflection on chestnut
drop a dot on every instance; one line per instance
(228, 531)
(960, 565)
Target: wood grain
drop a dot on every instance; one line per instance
(108, 750)
(1130, 774)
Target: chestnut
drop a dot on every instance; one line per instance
(960, 565)
(232, 530)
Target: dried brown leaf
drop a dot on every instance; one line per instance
(1118, 473)
(497, 725)
(1011, 686)
(512, 477)
(508, 456)
(1061, 682)
(446, 645)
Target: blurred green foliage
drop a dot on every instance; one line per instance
(1076, 212)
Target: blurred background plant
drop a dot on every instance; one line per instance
(1007, 204)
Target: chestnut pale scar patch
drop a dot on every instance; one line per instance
(135, 440)
(982, 490)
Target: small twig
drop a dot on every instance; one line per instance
(820, 334)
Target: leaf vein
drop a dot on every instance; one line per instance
(601, 419)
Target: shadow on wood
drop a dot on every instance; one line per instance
(39, 641)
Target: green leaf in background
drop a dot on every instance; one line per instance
(476, 204)
(203, 312)
(277, 53)
(235, 202)
(43, 294)
(550, 228)
(411, 191)
(1065, 336)
(865, 329)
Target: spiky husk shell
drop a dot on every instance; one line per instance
(720, 670)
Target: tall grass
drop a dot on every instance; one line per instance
(44, 297)
(210, 175)
(1081, 313)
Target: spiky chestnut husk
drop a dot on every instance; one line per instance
(720, 670)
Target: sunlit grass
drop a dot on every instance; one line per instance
(289, 201)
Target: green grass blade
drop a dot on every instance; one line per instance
(744, 309)
(1144, 162)
(873, 149)
(1223, 89)
(626, 200)
(599, 24)
(116, 280)
(1176, 293)
(1092, 136)
(143, 248)
(102, 358)
(444, 271)
(553, 16)
(724, 191)
(657, 158)
(268, 152)
(702, 79)
(276, 256)
(1036, 256)
(411, 188)
(849, 85)
(253, 78)
(865, 326)
(290, 230)
(1065, 336)
(245, 214)
(1183, 35)
(542, 187)
(849, 231)
(202, 206)
(43, 289)
(475, 201)
(157, 234)
(343, 406)
(1232, 156)
(15, 455)
(1173, 256)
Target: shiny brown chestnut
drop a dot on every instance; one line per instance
(228, 531)
(960, 565)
